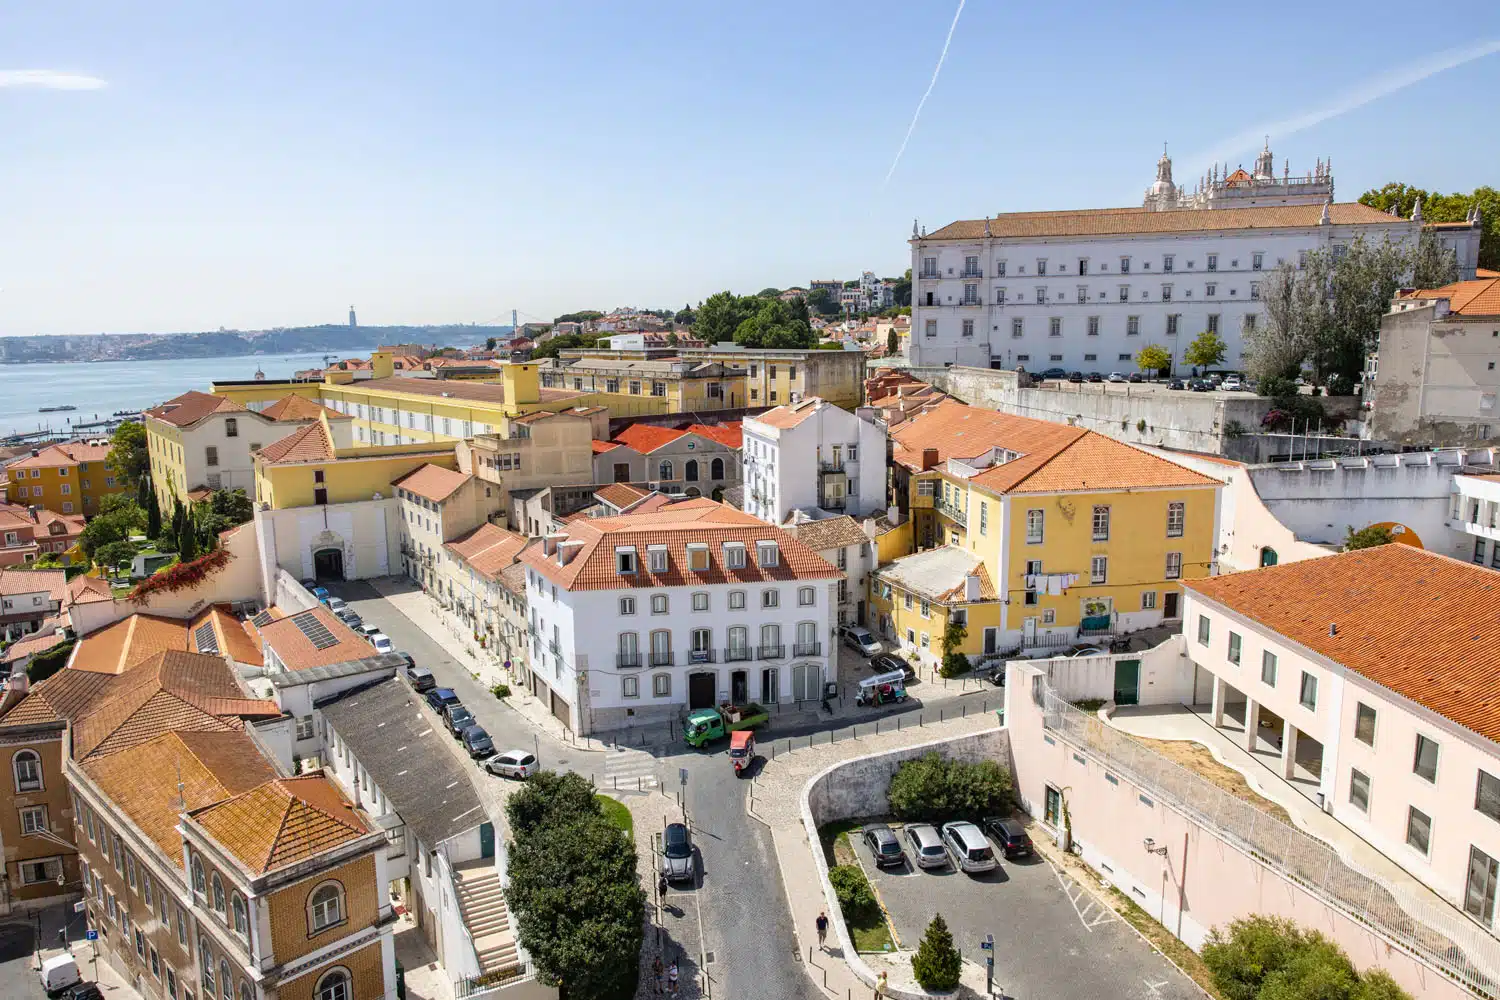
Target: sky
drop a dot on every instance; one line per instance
(190, 166)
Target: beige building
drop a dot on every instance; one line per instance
(437, 505)
(535, 450)
(482, 580)
(698, 459)
(1435, 379)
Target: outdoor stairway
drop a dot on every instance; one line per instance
(482, 903)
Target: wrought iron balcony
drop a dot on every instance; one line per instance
(807, 649)
(627, 659)
(770, 652)
(661, 658)
(735, 654)
(831, 464)
(700, 656)
(952, 512)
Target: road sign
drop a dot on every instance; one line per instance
(79, 906)
(988, 944)
(682, 776)
(91, 935)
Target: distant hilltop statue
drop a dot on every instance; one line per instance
(352, 323)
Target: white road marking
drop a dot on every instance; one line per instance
(1083, 901)
(629, 769)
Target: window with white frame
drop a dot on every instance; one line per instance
(33, 820)
(700, 601)
(326, 906)
(661, 686)
(659, 604)
(770, 598)
(1174, 565)
(734, 555)
(736, 600)
(1176, 518)
(1099, 569)
(1148, 600)
(1308, 693)
(26, 765)
(806, 597)
(656, 556)
(1268, 668)
(627, 605)
(1035, 519)
(1101, 523)
(630, 686)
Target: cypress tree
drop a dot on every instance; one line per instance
(936, 964)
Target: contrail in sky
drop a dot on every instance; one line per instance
(1358, 97)
(49, 79)
(932, 83)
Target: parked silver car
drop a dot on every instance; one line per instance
(512, 764)
(926, 846)
(968, 847)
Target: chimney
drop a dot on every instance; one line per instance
(971, 587)
(893, 514)
(1333, 630)
(15, 689)
(929, 458)
(567, 550)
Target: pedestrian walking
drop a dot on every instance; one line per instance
(661, 888)
(656, 972)
(880, 986)
(672, 977)
(822, 928)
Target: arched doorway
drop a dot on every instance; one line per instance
(328, 564)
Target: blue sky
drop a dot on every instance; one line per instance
(255, 165)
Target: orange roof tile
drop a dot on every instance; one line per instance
(192, 406)
(1420, 624)
(43, 639)
(308, 444)
(790, 415)
(646, 438)
(674, 526)
(621, 495)
(600, 447)
(1116, 221)
(1479, 297)
(120, 645)
(281, 822)
(294, 407)
(297, 652)
(62, 697)
(433, 482)
(489, 548)
(143, 780)
(52, 582)
(730, 434)
(231, 637)
(57, 455)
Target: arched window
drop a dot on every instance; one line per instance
(245, 993)
(1268, 556)
(326, 906)
(224, 986)
(241, 915)
(27, 765)
(666, 471)
(690, 471)
(218, 897)
(208, 967)
(334, 985)
(199, 886)
(716, 469)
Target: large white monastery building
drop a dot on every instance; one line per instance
(1086, 289)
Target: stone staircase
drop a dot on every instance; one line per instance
(482, 903)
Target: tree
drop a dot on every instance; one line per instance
(117, 520)
(776, 325)
(768, 293)
(1367, 538)
(187, 537)
(549, 799)
(1446, 208)
(932, 787)
(563, 342)
(1432, 265)
(936, 964)
(1362, 282)
(892, 343)
(672, 339)
(1269, 958)
(582, 316)
(1293, 305)
(489, 343)
(153, 513)
(48, 662)
(1206, 350)
(113, 555)
(901, 293)
(685, 316)
(719, 316)
(852, 889)
(822, 302)
(954, 661)
(1154, 358)
(127, 453)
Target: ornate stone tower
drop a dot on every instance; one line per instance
(1162, 195)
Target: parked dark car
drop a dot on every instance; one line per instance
(1075, 376)
(678, 864)
(478, 743)
(1054, 373)
(458, 718)
(997, 676)
(1135, 377)
(886, 663)
(1095, 377)
(1202, 385)
(441, 698)
(884, 845)
(82, 991)
(1010, 835)
(1177, 383)
(421, 679)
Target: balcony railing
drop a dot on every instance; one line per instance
(833, 503)
(661, 658)
(700, 656)
(735, 654)
(952, 512)
(830, 465)
(807, 649)
(929, 276)
(627, 659)
(971, 274)
(770, 652)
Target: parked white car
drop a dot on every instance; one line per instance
(512, 764)
(382, 643)
(336, 604)
(1232, 384)
(1116, 377)
(860, 638)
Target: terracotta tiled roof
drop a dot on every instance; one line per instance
(192, 406)
(791, 415)
(646, 438)
(52, 582)
(433, 482)
(730, 435)
(281, 822)
(1095, 462)
(62, 697)
(1111, 222)
(830, 533)
(513, 578)
(57, 455)
(621, 495)
(43, 639)
(120, 645)
(1480, 297)
(489, 548)
(294, 407)
(600, 447)
(675, 526)
(479, 392)
(232, 637)
(85, 589)
(1484, 272)
(143, 780)
(307, 444)
(298, 652)
(1420, 624)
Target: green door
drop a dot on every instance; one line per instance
(1127, 682)
(486, 840)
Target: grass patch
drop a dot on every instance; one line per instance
(1187, 959)
(871, 933)
(835, 840)
(1196, 758)
(618, 815)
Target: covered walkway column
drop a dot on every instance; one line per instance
(1252, 722)
(1289, 734)
(1218, 702)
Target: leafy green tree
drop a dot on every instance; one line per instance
(582, 316)
(1367, 538)
(901, 293)
(113, 555)
(852, 889)
(685, 316)
(1446, 208)
(118, 519)
(1206, 351)
(768, 293)
(563, 342)
(892, 342)
(549, 799)
(49, 662)
(153, 514)
(822, 302)
(777, 325)
(1154, 358)
(1432, 265)
(932, 787)
(127, 453)
(720, 315)
(187, 538)
(1269, 958)
(955, 662)
(489, 343)
(936, 963)
(1361, 284)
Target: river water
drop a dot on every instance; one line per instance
(100, 388)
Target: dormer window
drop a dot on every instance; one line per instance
(625, 559)
(767, 554)
(697, 554)
(657, 558)
(734, 555)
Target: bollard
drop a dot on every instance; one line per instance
(965, 707)
(940, 714)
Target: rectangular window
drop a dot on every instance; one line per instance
(1124, 265)
(661, 686)
(1166, 293)
(968, 328)
(736, 600)
(1101, 523)
(1364, 724)
(211, 455)
(1254, 292)
(1093, 326)
(1268, 668)
(33, 820)
(1174, 565)
(1418, 830)
(1234, 648)
(1210, 290)
(1099, 569)
(627, 605)
(1034, 523)
(1203, 630)
(1359, 790)
(1487, 795)
(770, 598)
(1308, 694)
(930, 329)
(700, 602)
(1213, 323)
(625, 560)
(1041, 265)
(657, 558)
(1017, 327)
(630, 687)
(1424, 762)
(1176, 519)
(1479, 897)
(1257, 260)
(984, 519)
(1148, 600)
(1132, 326)
(1041, 293)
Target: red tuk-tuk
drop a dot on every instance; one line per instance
(741, 750)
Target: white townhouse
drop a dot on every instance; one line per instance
(1371, 680)
(811, 455)
(1088, 288)
(438, 505)
(1474, 517)
(636, 618)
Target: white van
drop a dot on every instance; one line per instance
(58, 973)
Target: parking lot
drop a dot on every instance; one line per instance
(1053, 937)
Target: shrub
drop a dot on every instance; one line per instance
(1140, 425)
(1276, 387)
(954, 665)
(1340, 385)
(1367, 538)
(1268, 958)
(500, 690)
(936, 964)
(936, 789)
(181, 576)
(855, 896)
(49, 662)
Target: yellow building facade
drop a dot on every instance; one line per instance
(64, 478)
(304, 469)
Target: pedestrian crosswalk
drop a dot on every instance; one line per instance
(629, 770)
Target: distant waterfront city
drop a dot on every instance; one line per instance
(100, 389)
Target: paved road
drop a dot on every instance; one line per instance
(18, 980)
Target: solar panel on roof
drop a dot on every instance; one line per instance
(262, 619)
(316, 632)
(205, 639)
